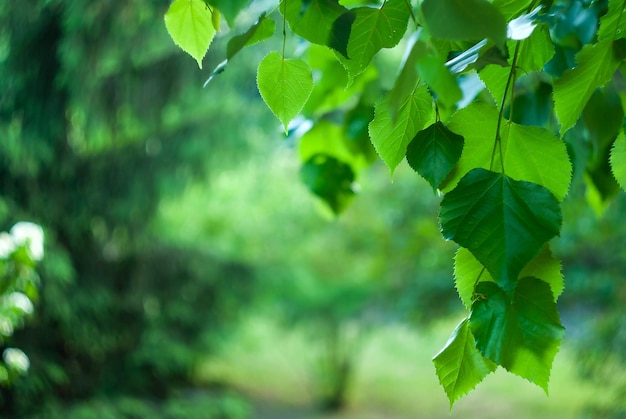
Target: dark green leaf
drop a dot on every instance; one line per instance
(433, 153)
(261, 30)
(503, 222)
(511, 8)
(459, 365)
(522, 334)
(330, 179)
(464, 20)
(229, 8)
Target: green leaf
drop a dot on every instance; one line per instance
(522, 335)
(372, 30)
(261, 30)
(596, 65)
(229, 8)
(189, 23)
(285, 85)
(459, 365)
(495, 77)
(433, 71)
(535, 51)
(511, 8)
(464, 20)
(533, 154)
(503, 222)
(618, 160)
(613, 23)
(433, 153)
(391, 137)
(468, 271)
(330, 179)
(322, 22)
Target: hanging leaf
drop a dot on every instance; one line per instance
(285, 85)
(190, 24)
(229, 8)
(391, 138)
(535, 51)
(261, 30)
(433, 153)
(468, 272)
(613, 23)
(618, 160)
(495, 77)
(523, 334)
(459, 365)
(464, 20)
(372, 30)
(533, 154)
(511, 8)
(322, 22)
(596, 65)
(503, 222)
(330, 179)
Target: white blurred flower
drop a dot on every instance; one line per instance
(16, 359)
(20, 301)
(7, 245)
(30, 234)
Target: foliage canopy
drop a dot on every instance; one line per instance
(498, 104)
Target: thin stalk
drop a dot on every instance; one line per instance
(284, 26)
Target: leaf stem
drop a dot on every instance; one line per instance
(284, 26)
(510, 82)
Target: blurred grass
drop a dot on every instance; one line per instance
(395, 378)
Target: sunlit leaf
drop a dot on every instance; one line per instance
(190, 24)
(535, 51)
(391, 137)
(285, 85)
(330, 179)
(433, 153)
(503, 222)
(618, 160)
(521, 334)
(464, 20)
(613, 23)
(495, 77)
(596, 65)
(459, 365)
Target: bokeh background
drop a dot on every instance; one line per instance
(189, 274)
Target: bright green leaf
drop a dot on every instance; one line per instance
(459, 365)
(495, 77)
(433, 71)
(261, 30)
(468, 271)
(511, 8)
(190, 24)
(618, 160)
(503, 222)
(596, 65)
(330, 179)
(613, 23)
(464, 20)
(533, 154)
(229, 8)
(285, 85)
(522, 335)
(433, 153)
(372, 30)
(391, 137)
(535, 51)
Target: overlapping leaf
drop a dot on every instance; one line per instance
(229, 8)
(391, 137)
(468, 271)
(459, 365)
(464, 20)
(535, 51)
(503, 222)
(261, 30)
(285, 85)
(522, 334)
(618, 160)
(613, 23)
(511, 8)
(530, 153)
(372, 30)
(190, 24)
(433, 153)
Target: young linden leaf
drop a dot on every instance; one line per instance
(433, 153)
(372, 30)
(521, 334)
(613, 23)
(391, 137)
(596, 65)
(261, 30)
(464, 20)
(229, 8)
(494, 77)
(285, 85)
(533, 154)
(330, 179)
(468, 272)
(190, 24)
(511, 8)
(535, 51)
(503, 222)
(459, 365)
(322, 22)
(618, 160)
